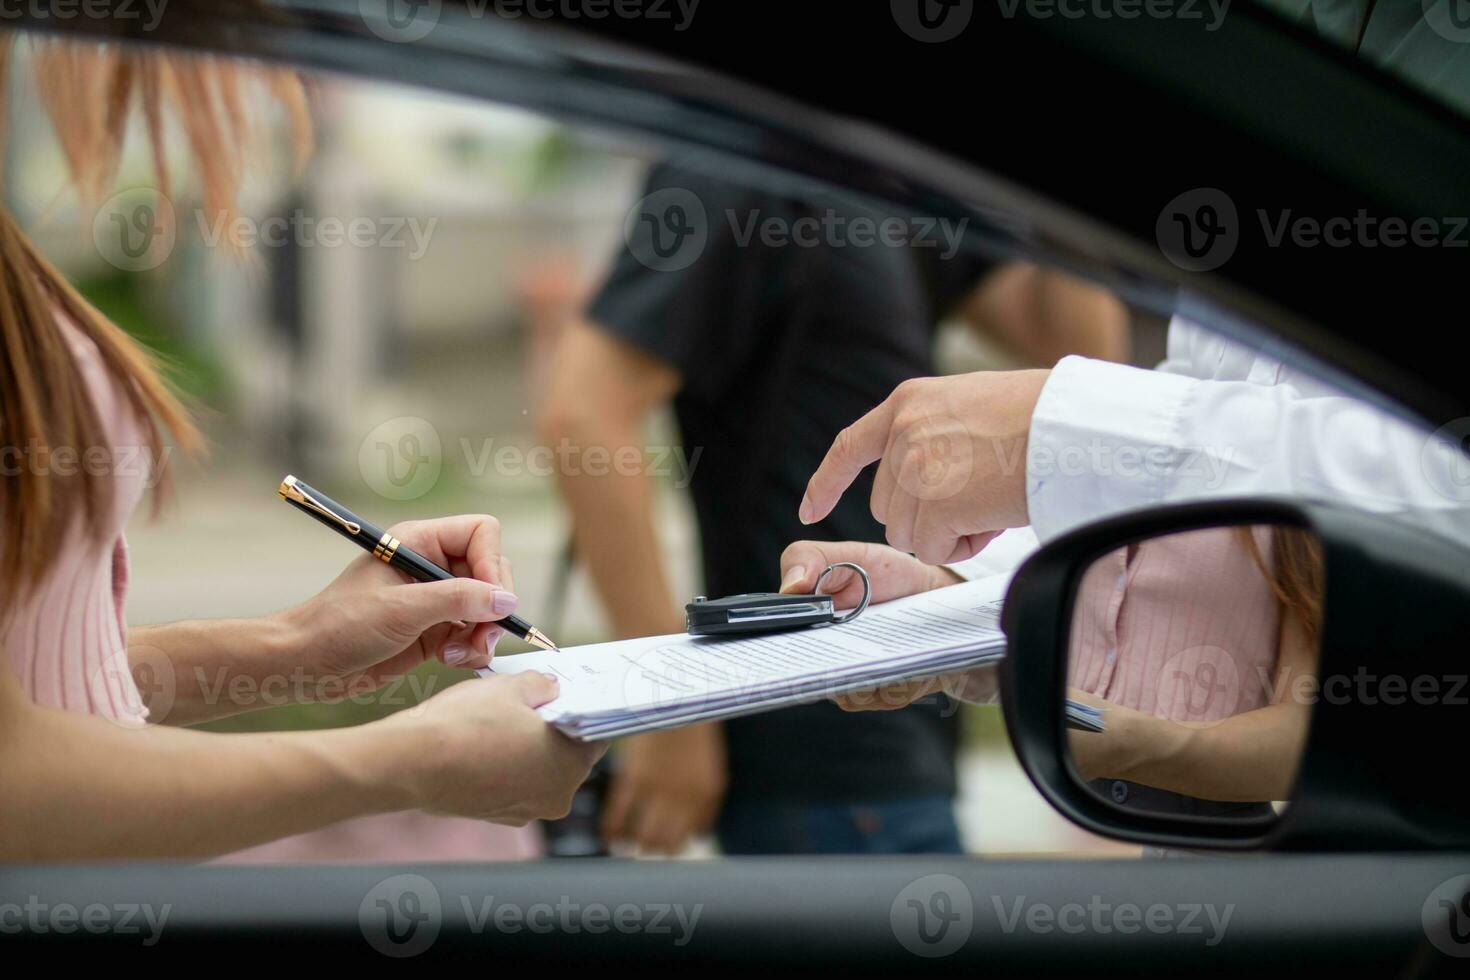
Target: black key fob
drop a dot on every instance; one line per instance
(756, 612)
(761, 612)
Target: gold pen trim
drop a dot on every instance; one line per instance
(289, 490)
(386, 548)
(539, 639)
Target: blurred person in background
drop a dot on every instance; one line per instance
(766, 350)
(92, 766)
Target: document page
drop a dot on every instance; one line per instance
(664, 681)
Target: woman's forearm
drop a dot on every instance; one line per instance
(197, 671)
(80, 787)
(1247, 757)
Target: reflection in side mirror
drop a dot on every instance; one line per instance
(1191, 645)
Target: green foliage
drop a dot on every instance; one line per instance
(119, 297)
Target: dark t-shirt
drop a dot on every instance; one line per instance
(781, 345)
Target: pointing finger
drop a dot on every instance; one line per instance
(854, 448)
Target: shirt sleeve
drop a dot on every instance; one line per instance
(1107, 438)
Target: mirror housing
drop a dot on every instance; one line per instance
(1379, 770)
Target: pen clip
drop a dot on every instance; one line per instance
(290, 491)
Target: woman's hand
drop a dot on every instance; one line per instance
(372, 624)
(369, 627)
(480, 750)
(1099, 754)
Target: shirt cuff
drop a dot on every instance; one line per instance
(1105, 439)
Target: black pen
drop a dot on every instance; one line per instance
(387, 548)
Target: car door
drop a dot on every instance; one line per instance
(1152, 153)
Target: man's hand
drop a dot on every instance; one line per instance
(668, 788)
(370, 625)
(893, 574)
(978, 686)
(953, 470)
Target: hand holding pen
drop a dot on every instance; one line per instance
(468, 546)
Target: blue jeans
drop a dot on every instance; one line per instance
(917, 825)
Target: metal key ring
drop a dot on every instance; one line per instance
(867, 589)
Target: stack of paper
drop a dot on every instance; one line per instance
(609, 690)
(1084, 717)
(613, 689)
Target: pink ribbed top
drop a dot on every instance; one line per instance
(1184, 627)
(66, 641)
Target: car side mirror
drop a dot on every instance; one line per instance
(1245, 674)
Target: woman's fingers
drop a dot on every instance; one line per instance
(416, 608)
(483, 642)
(470, 647)
(456, 649)
(471, 538)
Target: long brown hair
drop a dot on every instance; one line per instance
(90, 91)
(1294, 573)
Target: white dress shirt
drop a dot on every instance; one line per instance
(1220, 419)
